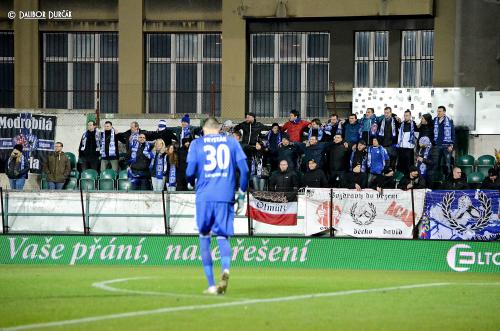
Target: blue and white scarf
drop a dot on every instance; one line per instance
(256, 167)
(278, 138)
(320, 133)
(411, 139)
(370, 124)
(423, 152)
(172, 176)
(134, 137)
(447, 130)
(393, 128)
(185, 132)
(135, 147)
(112, 146)
(84, 140)
(159, 170)
(297, 120)
(329, 128)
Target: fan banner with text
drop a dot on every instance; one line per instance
(367, 213)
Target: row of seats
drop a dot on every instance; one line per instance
(469, 165)
(90, 180)
(109, 180)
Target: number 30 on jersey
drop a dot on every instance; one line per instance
(216, 158)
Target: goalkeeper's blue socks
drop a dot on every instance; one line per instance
(206, 259)
(225, 252)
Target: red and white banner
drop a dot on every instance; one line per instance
(274, 213)
(366, 213)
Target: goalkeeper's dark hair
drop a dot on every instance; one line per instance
(212, 123)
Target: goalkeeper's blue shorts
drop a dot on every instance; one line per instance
(215, 217)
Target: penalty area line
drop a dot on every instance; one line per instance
(167, 310)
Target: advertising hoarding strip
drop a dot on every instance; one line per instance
(320, 253)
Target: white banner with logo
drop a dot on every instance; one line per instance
(364, 214)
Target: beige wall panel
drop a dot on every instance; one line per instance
(131, 59)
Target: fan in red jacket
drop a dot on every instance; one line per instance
(295, 126)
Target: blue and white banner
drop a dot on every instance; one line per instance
(35, 132)
(461, 215)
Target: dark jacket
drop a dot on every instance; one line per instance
(57, 167)
(166, 135)
(439, 140)
(455, 184)
(312, 152)
(426, 130)
(91, 150)
(351, 132)
(336, 156)
(181, 169)
(387, 139)
(283, 181)
(15, 170)
(360, 157)
(107, 139)
(488, 184)
(251, 132)
(142, 162)
(349, 179)
(193, 132)
(314, 178)
(289, 153)
(384, 182)
(124, 137)
(418, 183)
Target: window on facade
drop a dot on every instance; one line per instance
(79, 69)
(417, 58)
(6, 69)
(371, 58)
(289, 71)
(183, 73)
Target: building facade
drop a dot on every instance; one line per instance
(226, 57)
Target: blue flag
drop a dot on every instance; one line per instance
(461, 215)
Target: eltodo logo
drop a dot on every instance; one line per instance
(467, 258)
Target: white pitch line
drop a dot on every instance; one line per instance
(104, 286)
(166, 310)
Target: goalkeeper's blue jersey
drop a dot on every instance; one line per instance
(216, 157)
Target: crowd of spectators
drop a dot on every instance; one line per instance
(342, 153)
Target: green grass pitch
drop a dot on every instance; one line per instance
(169, 298)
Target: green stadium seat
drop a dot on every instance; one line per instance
(107, 180)
(122, 161)
(475, 179)
(88, 180)
(72, 159)
(74, 174)
(43, 182)
(466, 163)
(71, 184)
(123, 184)
(484, 163)
(123, 174)
(398, 176)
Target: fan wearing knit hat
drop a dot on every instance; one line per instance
(164, 133)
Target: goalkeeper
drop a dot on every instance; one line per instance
(212, 161)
